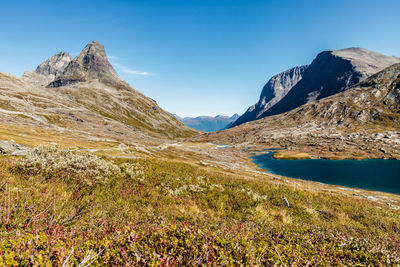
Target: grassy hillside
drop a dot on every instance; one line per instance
(59, 206)
(89, 109)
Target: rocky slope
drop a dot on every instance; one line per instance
(48, 70)
(331, 72)
(276, 88)
(88, 99)
(208, 123)
(363, 120)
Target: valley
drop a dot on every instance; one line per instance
(94, 172)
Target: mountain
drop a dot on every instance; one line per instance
(331, 72)
(86, 98)
(48, 70)
(233, 120)
(275, 89)
(362, 119)
(90, 64)
(208, 123)
(372, 103)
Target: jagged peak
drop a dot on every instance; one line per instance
(91, 64)
(94, 48)
(54, 64)
(48, 70)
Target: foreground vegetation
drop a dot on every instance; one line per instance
(62, 207)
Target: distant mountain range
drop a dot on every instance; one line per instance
(208, 123)
(331, 72)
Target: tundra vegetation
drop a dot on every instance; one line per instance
(68, 207)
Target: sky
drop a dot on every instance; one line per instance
(205, 57)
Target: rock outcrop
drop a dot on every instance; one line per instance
(91, 64)
(331, 72)
(12, 148)
(276, 88)
(48, 70)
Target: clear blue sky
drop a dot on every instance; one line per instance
(196, 57)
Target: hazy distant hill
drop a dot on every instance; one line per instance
(208, 123)
(331, 72)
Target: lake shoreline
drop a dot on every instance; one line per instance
(311, 153)
(293, 155)
(367, 174)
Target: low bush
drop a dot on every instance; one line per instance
(66, 207)
(51, 162)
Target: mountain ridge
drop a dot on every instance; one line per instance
(86, 95)
(331, 72)
(275, 89)
(362, 121)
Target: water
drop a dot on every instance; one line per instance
(372, 174)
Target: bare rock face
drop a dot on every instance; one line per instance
(54, 65)
(91, 64)
(12, 148)
(331, 72)
(276, 88)
(48, 70)
(366, 62)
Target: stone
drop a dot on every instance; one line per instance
(6, 147)
(12, 148)
(286, 202)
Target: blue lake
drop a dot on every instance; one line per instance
(372, 174)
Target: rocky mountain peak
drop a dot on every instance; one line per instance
(91, 64)
(48, 70)
(54, 64)
(275, 89)
(331, 72)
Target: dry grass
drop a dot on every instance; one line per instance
(290, 155)
(35, 136)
